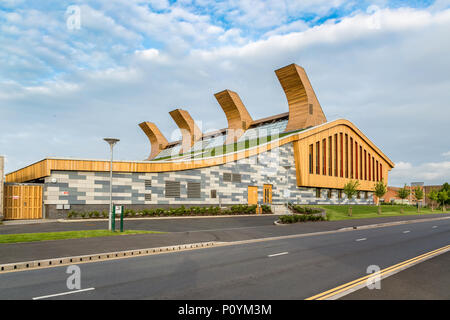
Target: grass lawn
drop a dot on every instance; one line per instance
(30, 237)
(340, 212)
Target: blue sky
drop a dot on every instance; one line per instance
(381, 64)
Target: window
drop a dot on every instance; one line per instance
(335, 155)
(378, 172)
(358, 195)
(351, 158)
(227, 177)
(356, 160)
(346, 155)
(317, 157)
(311, 156)
(318, 193)
(366, 195)
(360, 163)
(172, 189)
(148, 184)
(310, 108)
(236, 177)
(373, 169)
(341, 159)
(148, 197)
(193, 190)
(330, 193)
(339, 194)
(330, 156)
(370, 168)
(324, 157)
(213, 194)
(365, 165)
(381, 171)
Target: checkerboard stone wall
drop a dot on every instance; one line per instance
(92, 188)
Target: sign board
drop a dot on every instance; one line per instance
(15, 197)
(65, 193)
(118, 209)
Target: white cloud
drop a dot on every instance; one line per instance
(446, 154)
(430, 173)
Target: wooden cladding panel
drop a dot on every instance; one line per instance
(347, 160)
(157, 140)
(189, 130)
(22, 202)
(42, 169)
(304, 107)
(237, 115)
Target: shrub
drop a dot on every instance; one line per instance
(266, 208)
(301, 218)
(105, 214)
(83, 215)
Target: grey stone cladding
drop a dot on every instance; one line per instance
(275, 167)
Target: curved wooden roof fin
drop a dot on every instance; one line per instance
(157, 140)
(190, 132)
(304, 107)
(238, 117)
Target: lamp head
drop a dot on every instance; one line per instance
(111, 141)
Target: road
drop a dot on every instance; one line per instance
(295, 268)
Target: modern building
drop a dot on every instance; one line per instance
(297, 157)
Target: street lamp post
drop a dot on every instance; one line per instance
(111, 142)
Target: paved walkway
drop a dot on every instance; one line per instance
(230, 230)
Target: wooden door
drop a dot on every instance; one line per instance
(267, 193)
(22, 202)
(252, 195)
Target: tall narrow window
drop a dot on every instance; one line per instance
(370, 167)
(381, 171)
(311, 157)
(330, 156)
(365, 165)
(341, 159)
(317, 157)
(324, 157)
(356, 160)
(361, 176)
(378, 172)
(346, 155)
(373, 169)
(336, 155)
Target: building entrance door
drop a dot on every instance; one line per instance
(252, 195)
(267, 193)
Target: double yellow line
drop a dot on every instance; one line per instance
(347, 286)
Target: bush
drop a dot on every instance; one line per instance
(304, 210)
(301, 218)
(266, 208)
(72, 214)
(105, 214)
(83, 215)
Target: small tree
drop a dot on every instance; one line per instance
(418, 193)
(380, 190)
(350, 189)
(442, 198)
(433, 196)
(403, 193)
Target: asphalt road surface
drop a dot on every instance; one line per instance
(294, 268)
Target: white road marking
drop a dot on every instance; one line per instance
(63, 294)
(277, 254)
(407, 231)
(362, 239)
(434, 227)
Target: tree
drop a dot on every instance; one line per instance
(350, 189)
(418, 193)
(433, 196)
(442, 198)
(403, 193)
(446, 187)
(380, 190)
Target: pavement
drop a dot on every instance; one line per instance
(429, 280)
(179, 231)
(294, 268)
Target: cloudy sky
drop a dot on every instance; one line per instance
(73, 72)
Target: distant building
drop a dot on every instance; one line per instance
(391, 195)
(297, 156)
